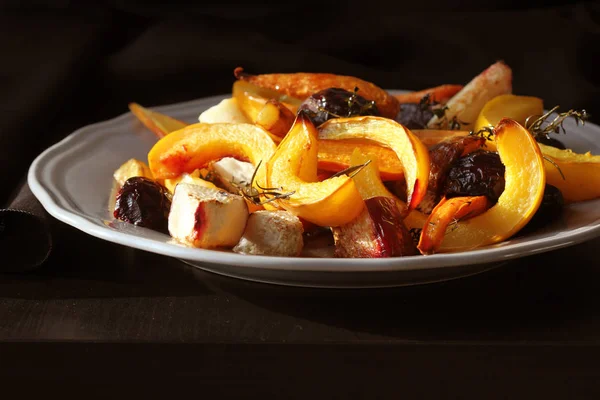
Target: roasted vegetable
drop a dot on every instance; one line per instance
(441, 159)
(276, 118)
(130, 169)
(160, 124)
(334, 156)
(464, 107)
(301, 85)
(439, 94)
(293, 170)
(480, 173)
(377, 232)
(196, 145)
(576, 175)
(523, 192)
(518, 108)
(448, 212)
(410, 150)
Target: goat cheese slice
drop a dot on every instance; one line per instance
(206, 217)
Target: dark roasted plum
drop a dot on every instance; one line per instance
(334, 103)
(441, 158)
(480, 173)
(143, 202)
(414, 116)
(550, 209)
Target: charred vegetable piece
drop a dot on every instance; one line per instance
(480, 173)
(441, 158)
(336, 103)
(143, 202)
(417, 115)
(377, 232)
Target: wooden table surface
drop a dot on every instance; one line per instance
(101, 308)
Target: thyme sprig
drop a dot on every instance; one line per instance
(487, 132)
(542, 125)
(426, 103)
(352, 103)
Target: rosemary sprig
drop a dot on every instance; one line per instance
(254, 195)
(551, 161)
(542, 125)
(351, 171)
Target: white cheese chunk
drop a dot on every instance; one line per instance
(272, 233)
(231, 174)
(205, 217)
(226, 111)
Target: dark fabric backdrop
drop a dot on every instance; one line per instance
(65, 64)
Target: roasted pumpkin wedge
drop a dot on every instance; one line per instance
(525, 179)
(576, 175)
(301, 85)
(293, 170)
(581, 173)
(411, 152)
(335, 156)
(511, 106)
(368, 181)
(196, 145)
(369, 184)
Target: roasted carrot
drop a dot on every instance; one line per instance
(161, 125)
(449, 211)
(440, 94)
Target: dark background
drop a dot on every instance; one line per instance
(526, 329)
(67, 64)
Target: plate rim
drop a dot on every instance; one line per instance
(297, 264)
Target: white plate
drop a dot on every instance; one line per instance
(73, 178)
